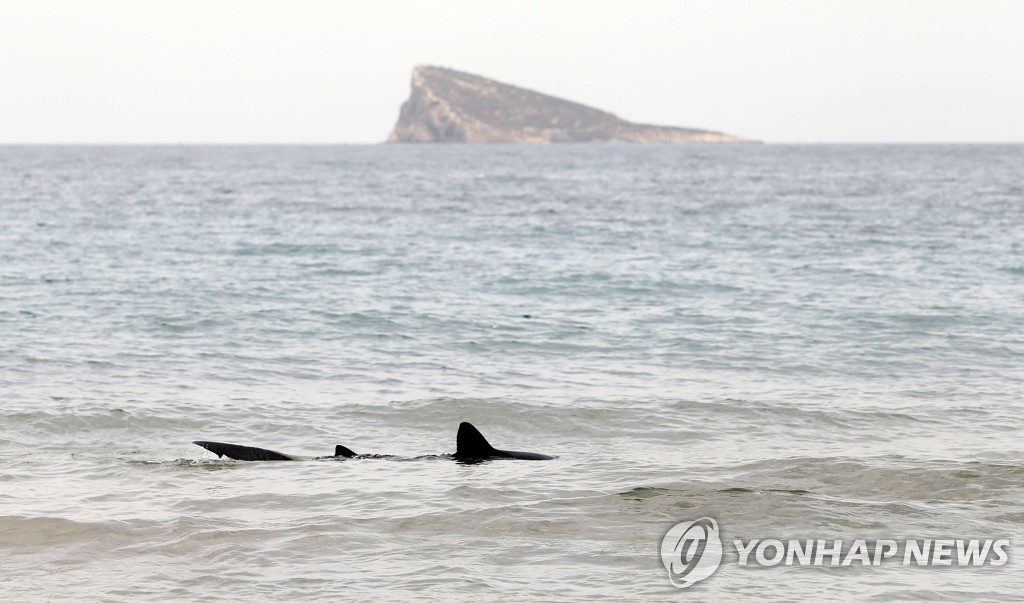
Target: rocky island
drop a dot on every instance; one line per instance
(451, 106)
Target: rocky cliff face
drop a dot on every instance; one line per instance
(450, 106)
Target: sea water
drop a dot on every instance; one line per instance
(811, 342)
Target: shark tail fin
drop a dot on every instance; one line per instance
(243, 453)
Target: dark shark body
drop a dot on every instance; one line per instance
(470, 446)
(252, 453)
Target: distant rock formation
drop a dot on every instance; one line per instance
(451, 106)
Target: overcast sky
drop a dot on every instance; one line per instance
(253, 71)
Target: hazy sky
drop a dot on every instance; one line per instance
(337, 71)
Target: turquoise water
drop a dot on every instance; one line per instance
(799, 341)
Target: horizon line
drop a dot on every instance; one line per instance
(518, 144)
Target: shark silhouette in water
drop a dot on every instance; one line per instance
(470, 446)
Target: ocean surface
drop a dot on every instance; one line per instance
(811, 342)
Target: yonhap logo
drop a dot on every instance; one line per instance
(691, 551)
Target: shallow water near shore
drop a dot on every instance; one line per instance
(810, 342)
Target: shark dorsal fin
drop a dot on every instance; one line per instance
(342, 451)
(470, 443)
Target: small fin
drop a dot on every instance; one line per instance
(341, 451)
(243, 453)
(470, 443)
